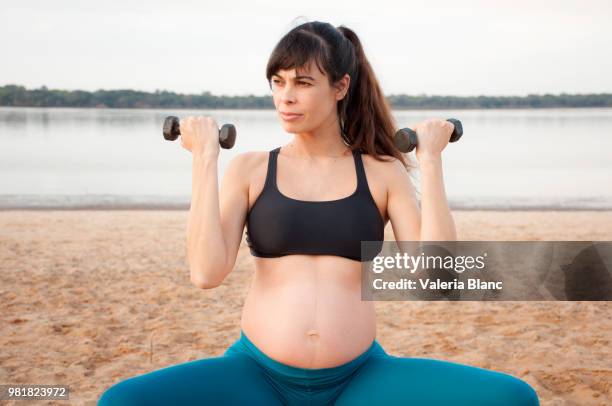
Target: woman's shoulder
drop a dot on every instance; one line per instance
(387, 170)
(248, 162)
(383, 164)
(251, 157)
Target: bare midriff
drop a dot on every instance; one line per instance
(306, 310)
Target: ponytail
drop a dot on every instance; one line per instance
(365, 114)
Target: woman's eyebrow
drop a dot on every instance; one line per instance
(299, 77)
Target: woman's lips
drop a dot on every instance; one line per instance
(290, 117)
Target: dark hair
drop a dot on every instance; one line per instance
(365, 116)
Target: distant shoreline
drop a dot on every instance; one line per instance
(394, 108)
(18, 96)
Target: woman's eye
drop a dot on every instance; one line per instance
(301, 83)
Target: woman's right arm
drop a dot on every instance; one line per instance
(216, 219)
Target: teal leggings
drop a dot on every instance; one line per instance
(244, 375)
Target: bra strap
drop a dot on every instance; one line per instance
(362, 182)
(271, 173)
(272, 167)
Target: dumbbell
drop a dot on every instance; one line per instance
(227, 133)
(406, 138)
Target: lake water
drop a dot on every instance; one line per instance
(65, 157)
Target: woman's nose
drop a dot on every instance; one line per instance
(288, 94)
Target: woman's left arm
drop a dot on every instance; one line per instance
(437, 222)
(433, 222)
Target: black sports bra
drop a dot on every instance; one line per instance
(278, 225)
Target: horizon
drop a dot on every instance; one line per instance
(269, 95)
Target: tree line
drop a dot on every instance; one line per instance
(19, 96)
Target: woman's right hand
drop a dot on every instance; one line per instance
(200, 135)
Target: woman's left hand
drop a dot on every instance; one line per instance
(433, 136)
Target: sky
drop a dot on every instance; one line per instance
(432, 47)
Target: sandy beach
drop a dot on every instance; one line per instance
(89, 298)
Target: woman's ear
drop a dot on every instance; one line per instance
(342, 86)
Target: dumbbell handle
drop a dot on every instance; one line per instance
(227, 133)
(406, 138)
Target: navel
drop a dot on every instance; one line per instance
(313, 333)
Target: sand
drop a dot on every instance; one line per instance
(89, 298)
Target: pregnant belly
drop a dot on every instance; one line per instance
(309, 320)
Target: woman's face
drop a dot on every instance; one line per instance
(308, 94)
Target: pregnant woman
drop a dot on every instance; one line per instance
(306, 336)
